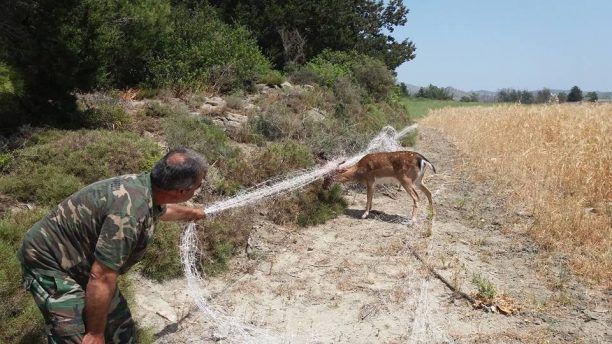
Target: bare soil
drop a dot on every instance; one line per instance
(357, 281)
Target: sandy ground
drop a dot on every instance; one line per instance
(356, 281)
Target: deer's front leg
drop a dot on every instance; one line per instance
(370, 187)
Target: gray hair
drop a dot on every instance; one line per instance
(178, 169)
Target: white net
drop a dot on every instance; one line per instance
(228, 327)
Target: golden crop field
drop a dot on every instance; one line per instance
(555, 162)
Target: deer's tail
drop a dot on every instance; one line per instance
(423, 162)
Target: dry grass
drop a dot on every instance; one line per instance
(555, 162)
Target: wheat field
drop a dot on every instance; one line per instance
(554, 162)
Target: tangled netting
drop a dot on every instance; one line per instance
(229, 327)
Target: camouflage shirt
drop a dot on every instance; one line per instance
(111, 221)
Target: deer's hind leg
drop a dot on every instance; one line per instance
(407, 184)
(425, 190)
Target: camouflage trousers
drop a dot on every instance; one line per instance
(62, 302)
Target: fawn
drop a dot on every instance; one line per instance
(404, 167)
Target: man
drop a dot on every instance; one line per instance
(72, 257)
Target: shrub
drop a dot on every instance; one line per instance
(201, 50)
(374, 76)
(349, 97)
(369, 73)
(234, 102)
(40, 184)
(146, 93)
(20, 319)
(161, 110)
(281, 158)
(105, 116)
(162, 260)
(272, 78)
(266, 126)
(327, 72)
(5, 161)
(199, 135)
(303, 75)
(221, 236)
(324, 206)
(59, 162)
(486, 289)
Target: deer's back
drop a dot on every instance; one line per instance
(388, 164)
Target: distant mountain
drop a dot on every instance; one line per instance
(489, 96)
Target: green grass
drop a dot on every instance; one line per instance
(420, 107)
(20, 319)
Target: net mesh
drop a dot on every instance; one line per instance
(230, 328)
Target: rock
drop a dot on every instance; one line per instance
(316, 115)
(213, 105)
(231, 121)
(262, 88)
(286, 84)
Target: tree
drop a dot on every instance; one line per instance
(360, 25)
(562, 97)
(526, 97)
(472, 98)
(543, 96)
(508, 95)
(592, 96)
(575, 94)
(434, 92)
(403, 88)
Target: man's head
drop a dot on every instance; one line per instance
(178, 175)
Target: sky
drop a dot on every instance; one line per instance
(492, 44)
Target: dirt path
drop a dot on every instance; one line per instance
(356, 281)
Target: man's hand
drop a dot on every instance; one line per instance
(100, 290)
(93, 339)
(175, 212)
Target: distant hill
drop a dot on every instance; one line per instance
(489, 96)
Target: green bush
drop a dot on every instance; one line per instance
(234, 101)
(486, 289)
(410, 139)
(374, 76)
(20, 319)
(59, 162)
(370, 74)
(221, 236)
(161, 110)
(303, 76)
(349, 95)
(266, 126)
(272, 78)
(199, 135)
(6, 159)
(281, 158)
(39, 184)
(106, 115)
(325, 206)
(162, 261)
(201, 50)
(327, 72)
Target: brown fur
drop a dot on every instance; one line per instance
(406, 167)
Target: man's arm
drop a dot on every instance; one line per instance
(175, 212)
(100, 290)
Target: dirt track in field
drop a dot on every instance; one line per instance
(356, 281)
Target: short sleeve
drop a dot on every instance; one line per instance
(118, 237)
